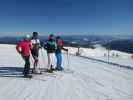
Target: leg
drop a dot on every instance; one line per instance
(49, 60)
(27, 65)
(59, 61)
(36, 69)
(50, 63)
(35, 55)
(35, 62)
(53, 58)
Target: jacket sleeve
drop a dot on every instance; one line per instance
(19, 48)
(30, 45)
(64, 49)
(40, 46)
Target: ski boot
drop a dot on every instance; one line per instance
(28, 76)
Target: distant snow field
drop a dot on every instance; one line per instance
(89, 80)
(101, 53)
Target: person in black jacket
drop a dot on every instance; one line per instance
(50, 47)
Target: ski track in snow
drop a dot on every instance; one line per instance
(89, 80)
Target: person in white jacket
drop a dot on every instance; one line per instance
(35, 52)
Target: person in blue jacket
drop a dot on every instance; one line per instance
(58, 52)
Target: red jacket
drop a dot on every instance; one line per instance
(24, 47)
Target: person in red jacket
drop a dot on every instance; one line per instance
(23, 48)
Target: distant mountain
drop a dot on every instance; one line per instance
(115, 42)
(82, 40)
(9, 40)
(121, 45)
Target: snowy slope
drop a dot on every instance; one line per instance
(91, 80)
(101, 53)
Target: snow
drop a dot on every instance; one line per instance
(91, 80)
(101, 53)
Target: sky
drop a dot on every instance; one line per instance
(66, 16)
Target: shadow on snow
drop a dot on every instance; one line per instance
(11, 72)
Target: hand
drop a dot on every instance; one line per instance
(65, 49)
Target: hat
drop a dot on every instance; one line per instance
(51, 36)
(58, 37)
(35, 33)
(27, 37)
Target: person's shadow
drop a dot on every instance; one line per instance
(11, 72)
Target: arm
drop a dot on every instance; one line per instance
(19, 48)
(30, 45)
(40, 44)
(64, 49)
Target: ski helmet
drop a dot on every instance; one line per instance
(27, 37)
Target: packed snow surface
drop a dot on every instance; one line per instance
(85, 80)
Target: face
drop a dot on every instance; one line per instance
(35, 36)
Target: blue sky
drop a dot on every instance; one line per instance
(67, 16)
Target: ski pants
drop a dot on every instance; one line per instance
(27, 65)
(59, 60)
(35, 55)
(51, 60)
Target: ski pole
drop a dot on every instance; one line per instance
(32, 61)
(68, 60)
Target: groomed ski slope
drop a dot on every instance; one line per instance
(91, 80)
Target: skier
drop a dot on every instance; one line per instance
(23, 48)
(35, 51)
(60, 44)
(50, 47)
